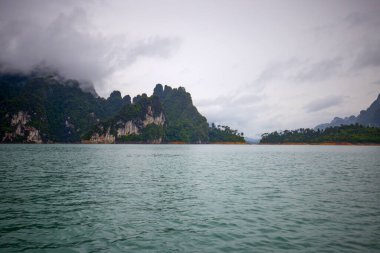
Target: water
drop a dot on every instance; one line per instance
(189, 198)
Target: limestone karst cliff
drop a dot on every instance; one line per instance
(47, 108)
(141, 122)
(20, 129)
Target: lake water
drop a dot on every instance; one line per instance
(189, 198)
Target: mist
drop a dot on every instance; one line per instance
(66, 42)
(257, 66)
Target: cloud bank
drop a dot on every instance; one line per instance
(323, 103)
(68, 42)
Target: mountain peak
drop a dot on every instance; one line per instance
(368, 117)
(44, 109)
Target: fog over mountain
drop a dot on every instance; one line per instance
(257, 66)
(368, 117)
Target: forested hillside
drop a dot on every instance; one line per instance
(44, 108)
(355, 134)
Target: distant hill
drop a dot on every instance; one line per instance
(361, 129)
(369, 117)
(354, 134)
(46, 108)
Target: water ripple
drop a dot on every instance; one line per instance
(189, 198)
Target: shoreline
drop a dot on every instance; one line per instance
(323, 144)
(131, 143)
(215, 143)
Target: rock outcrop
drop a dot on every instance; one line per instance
(21, 132)
(128, 128)
(20, 118)
(33, 136)
(132, 128)
(150, 119)
(45, 107)
(96, 138)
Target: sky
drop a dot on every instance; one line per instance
(257, 66)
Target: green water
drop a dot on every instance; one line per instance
(189, 198)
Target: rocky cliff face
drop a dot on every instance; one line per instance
(96, 138)
(371, 116)
(134, 127)
(20, 131)
(60, 110)
(150, 119)
(144, 125)
(45, 107)
(127, 128)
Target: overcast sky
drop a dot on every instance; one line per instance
(257, 66)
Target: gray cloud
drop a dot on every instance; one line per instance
(357, 38)
(369, 19)
(69, 43)
(319, 71)
(365, 25)
(277, 70)
(367, 56)
(151, 47)
(324, 103)
(243, 110)
(297, 70)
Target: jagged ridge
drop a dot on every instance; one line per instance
(51, 109)
(369, 117)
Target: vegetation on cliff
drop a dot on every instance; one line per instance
(60, 110)
(224, 134)
(184, 122)
(140, 122)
